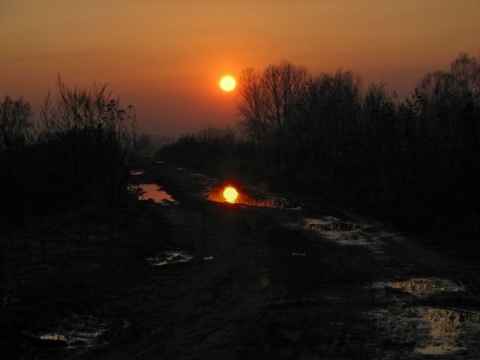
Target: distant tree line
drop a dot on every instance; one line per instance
(416, 161)
(75, 155)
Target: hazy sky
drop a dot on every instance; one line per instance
(166, 57)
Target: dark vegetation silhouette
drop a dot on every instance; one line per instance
(416, 162)
(76, 155)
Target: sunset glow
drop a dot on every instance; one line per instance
(167, 57)
(227, 83)
(230, 194)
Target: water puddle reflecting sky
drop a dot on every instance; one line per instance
(170, 258)
(342, 232)
(446, 328)
(434, 330)
(73, 332)
(155, 193)
(329, 223)
(425, 287)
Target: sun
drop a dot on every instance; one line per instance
(227, 83)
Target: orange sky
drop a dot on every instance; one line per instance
(166, 57)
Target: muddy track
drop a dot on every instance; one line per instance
(286, 284)
(202, 279)
(293, 286)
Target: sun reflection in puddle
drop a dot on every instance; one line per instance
(230, 194)
(251, 199)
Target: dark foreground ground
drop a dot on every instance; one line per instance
(209, 280)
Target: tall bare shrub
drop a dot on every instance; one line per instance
(86, 138)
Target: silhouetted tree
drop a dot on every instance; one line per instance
(269, 99)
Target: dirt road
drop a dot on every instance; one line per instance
(211, 280)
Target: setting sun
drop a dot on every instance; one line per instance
(227, 83)
(230, 194)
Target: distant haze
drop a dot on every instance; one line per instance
(166, 57)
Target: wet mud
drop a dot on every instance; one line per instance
(267, 277)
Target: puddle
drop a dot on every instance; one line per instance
(295, 208)
(137, 173)
(170, 258)
(53, 340)
(342, 232)
(430, 330)
(155, 193)
(329, 223)
(77, 331)
(449, 330)
(433, 331)
(423, 287)
(252, 198)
